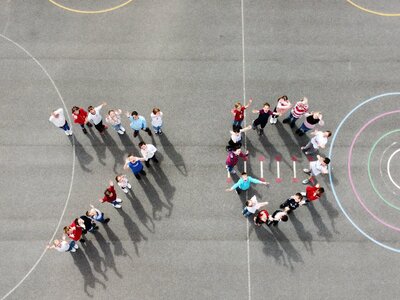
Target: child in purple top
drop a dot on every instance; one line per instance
(233, 158)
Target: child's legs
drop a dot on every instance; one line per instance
(100, 126)
(65, 127)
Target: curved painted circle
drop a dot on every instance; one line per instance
(90, 11)
(380, 168)
(373, 11)
(388, 168)
(73, 163)
(360, 200)
(369, 168)
(331, 178)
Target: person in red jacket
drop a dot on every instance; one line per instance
(313, 192)
(111, 196)
(261, 218)
(74, 231)
(80, 117)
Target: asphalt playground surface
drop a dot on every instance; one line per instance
(179, 235)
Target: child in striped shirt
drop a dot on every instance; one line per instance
(297, 111)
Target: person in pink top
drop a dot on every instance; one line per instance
(297, 111)
(281, 108)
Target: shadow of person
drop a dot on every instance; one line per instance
(305, 236)
(108, 255)
(273, 153)
(115, 151)
(83, 157)
(175, 157)
(291, 144)
(154, 199)
(98, 146)
(332, 212)
(271, 246)
(163, 182)
(137, 206)
(134, 232)
(89, 280)
(292, 254)
(128, 144)
(317, 220)
(94, 256)
(119, 250)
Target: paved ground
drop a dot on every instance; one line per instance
(179, 235)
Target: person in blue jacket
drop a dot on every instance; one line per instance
(244, 183)
(138, 123)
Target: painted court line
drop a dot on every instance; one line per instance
(73, 165)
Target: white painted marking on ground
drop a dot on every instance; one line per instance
(261, 168)
(73, 164)
(294, 169)
(388, 168)
(278, 170)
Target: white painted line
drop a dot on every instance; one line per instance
(278, 170)
(73, 164)
(261, 168)
(388, 168)
(294, 169)
(245, 146)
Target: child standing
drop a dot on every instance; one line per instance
(114, 119)
(319, 140)
(236, 138)
(252, 206)
(74, 231)
(58, 119)
(96, 215)
(292, 203)
(238, 113)
(95, 117)
(123, 183)
(311, 120)
(138, 123)
(63, 245)
(148, 152)
(263, 116)
(80, 117)
(233, 158)
(320, 166)
(281, 108)
(261, 218)
(313, 193)
(135, 164)
(277, 216)
(156, 120)
(297, 111)
(244, 183)
(111, 196)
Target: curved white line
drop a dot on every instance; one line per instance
(381, 169)
(73, 165)
(388, 168)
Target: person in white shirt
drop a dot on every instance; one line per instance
(252, 206)
(63, 245)
(58, 119)
(320, 166)
(156, 120)
(123, 183)
(148, 152)
(95, 117)
(319, 140)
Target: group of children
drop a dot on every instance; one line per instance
(87, 223)
(319, 166)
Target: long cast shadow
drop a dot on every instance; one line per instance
(89, 280)
(119, 250)
(108, 255)
(317, 220)
(94, 256)
(140, 211)
(271, 246)
(292, 254)
(134, 232)
(97, 145)
(115, 151)
(273, 153)
(332, 212)
(291, 144)
(304, 235)
(83, 157)
(175, 157)
(128, 144)
(163, 182)
(154, 199)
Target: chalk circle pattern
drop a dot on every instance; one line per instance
(360, 200)
(81, 11)
(374, 12)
